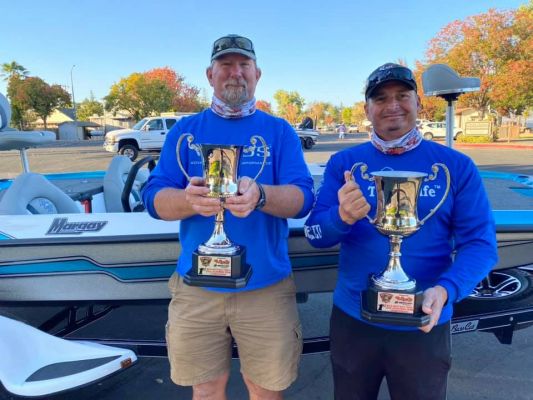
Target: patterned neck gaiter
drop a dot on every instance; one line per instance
(407, 142)
(225, 111)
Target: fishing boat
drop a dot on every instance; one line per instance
(81, 241)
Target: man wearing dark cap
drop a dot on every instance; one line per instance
(262, 316)
(448, 256)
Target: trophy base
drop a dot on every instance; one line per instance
(393, 307)
(219, 271)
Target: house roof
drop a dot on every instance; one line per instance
(69, 112)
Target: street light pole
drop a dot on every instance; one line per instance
(72, 88)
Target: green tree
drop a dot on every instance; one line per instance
(88, 108)
(35, 95)
(18, 107)
(346, 114)
(12, 69)
(140, 96)
(289, 105)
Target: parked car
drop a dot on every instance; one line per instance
(353, 129)
(420, 122)
(433, 130)
(147, 134)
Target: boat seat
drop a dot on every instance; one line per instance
(115, 180)
(34, 363)
(32, 193)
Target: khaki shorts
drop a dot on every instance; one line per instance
(263, 322)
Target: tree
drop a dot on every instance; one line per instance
(12, 69)
(358, 113)
(317, 111)
(153, 92)
(346, 114)
(290, 105)
(18, 107)
(34, 94)
(185, 97)
(433, 108)
(496, 47)
(140, 96)
(264, 106)
(88, 108)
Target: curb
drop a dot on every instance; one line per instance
(494, 146)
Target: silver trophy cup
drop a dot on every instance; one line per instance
(392, 296)
(219, 262)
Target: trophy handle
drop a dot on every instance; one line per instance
(248, 149)
(366, 177)
(431, 177)
(191, 146)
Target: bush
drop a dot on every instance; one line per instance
(474, 139)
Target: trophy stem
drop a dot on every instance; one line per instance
(394, 276)
(219, 243)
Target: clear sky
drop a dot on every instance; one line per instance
(323, 49)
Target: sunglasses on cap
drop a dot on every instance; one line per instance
(233, 42)
(389, 72)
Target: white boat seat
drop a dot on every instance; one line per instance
(5, 112)
(32, 193)
(34, 363)
(114, 182)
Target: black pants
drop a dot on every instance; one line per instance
(415, 364)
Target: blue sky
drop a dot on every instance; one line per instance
(322, 49)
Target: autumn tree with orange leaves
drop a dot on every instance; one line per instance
(497, 47)
(264, 106)
(152, 92)
(186, 97)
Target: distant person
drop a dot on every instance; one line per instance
(262, 317)
(342, 131)
(307, 123)
(450, 254)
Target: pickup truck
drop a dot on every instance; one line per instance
(308, 137)
(146, 135)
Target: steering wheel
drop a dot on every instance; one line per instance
(128, 185)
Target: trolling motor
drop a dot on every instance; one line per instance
(442, 81)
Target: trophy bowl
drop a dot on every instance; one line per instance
(219, 262)
(392, 297)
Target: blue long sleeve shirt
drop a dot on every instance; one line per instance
(455, 248)
(264, 236)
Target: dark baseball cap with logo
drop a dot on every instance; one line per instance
(231, 44)
(389, 72)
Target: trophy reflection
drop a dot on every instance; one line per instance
(219, 262)
(392, 296)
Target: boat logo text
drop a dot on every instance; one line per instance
(61, 226)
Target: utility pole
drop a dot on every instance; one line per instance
(72, 89)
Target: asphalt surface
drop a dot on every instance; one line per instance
(482, 367)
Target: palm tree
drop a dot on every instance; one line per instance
(13, 68)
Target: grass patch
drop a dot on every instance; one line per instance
(474, 139)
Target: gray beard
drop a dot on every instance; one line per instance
(235, 97)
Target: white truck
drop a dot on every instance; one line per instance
(146, 135)
(308, 137)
